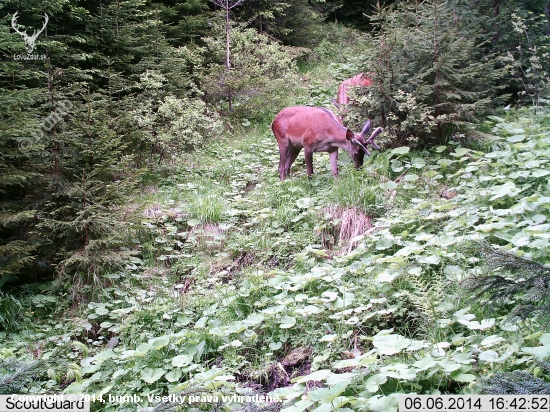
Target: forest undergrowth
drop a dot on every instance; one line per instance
(247, 293)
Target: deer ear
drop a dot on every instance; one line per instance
(349, 135)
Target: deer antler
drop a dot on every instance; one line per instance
(370, 140)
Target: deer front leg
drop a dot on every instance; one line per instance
(334, 162)
(309, 161)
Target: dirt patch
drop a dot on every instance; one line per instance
(296, 363)
(227, 269)
(249, 186)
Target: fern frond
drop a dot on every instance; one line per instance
(15, 374)
(513, 280)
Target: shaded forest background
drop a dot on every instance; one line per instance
(128, 85)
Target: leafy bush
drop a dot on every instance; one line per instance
(260, 69)
(429, 72)
(177, 125)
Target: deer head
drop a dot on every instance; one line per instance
(29, 40)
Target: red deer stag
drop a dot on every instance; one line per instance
(316, 129)
(361, 80)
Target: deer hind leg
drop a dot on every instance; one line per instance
(283, 155)
(292, 154)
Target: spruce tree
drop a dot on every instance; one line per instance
(429, 71)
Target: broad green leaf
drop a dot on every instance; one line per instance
(160, 342)
(453, 272)
(174, 375)
(374, 382)
(381, 403)
(507, 189)
(327, 394)
(475, 325)
(448, 366)
(308, 310)
(516, 138)
(461, 151)
(142, 349)
(151, 375)
(274, 309)
(305, 202)
(400, 150)
(418, 163)
(340, 378)
(488, 356)
(329, 295)
(397, 166)
(363, 360)
(428, 259)
(425, 363)
(254, 319)
(399, 371)
(314, 376)
(298, 406)
(384, 243)
(91, 368)
(459, 376)
(388, 276)
(101, 310)
(201, 323)
(328, 338)
(104, 355)
(545, 339)
(491, 340)
(182, 360)
(390, 344)
(539, 352)
(275, 345)
(287, 322)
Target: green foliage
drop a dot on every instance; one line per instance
(518, 382)
(173, 125)
(21, 174)
(429, 72)
(514, 281)
(259, 66)
(11, 310)
(238, 283)
(527, 63)
(16, 374)
(203, 274)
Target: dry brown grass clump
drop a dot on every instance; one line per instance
(352, 222)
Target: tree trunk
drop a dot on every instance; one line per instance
(228, 52)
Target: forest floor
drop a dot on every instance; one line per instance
(338, 292)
